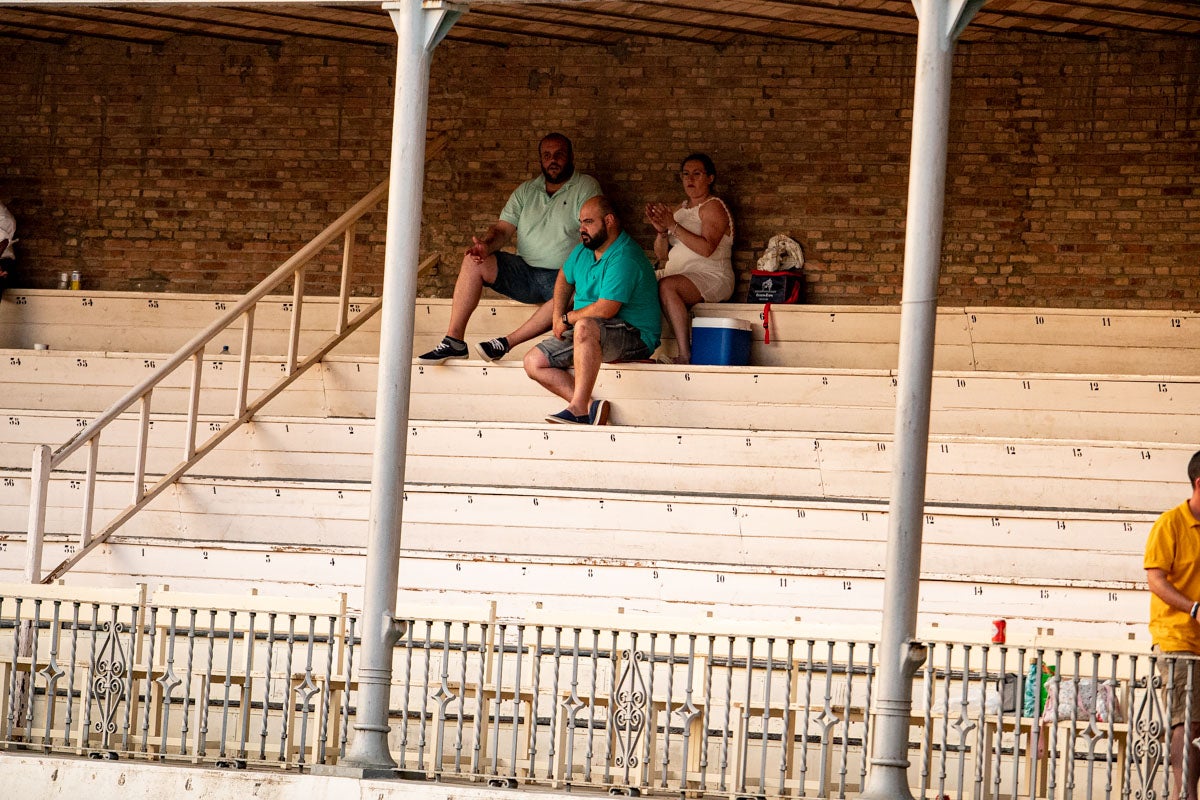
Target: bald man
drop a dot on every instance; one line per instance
(605, 309)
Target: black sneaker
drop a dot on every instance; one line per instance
(493, 349)
(598, 413)
(565, 417)
(449, 348)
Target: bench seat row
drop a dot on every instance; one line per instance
(1104, 341)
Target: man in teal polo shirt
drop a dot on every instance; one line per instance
(615, 315)
(542, 213)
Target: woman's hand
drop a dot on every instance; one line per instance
(659, 216)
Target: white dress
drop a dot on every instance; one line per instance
(712, 275)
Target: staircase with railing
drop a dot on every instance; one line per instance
(188, 361)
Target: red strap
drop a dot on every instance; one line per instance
(767, 324)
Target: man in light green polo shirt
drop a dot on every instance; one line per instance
(543, 214)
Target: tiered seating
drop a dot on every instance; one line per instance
(731, 491)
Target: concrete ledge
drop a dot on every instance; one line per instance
(68, 778)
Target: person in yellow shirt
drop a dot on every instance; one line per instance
(1172, 564)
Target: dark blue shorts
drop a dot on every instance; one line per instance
(521, 282)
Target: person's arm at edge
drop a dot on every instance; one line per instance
(1164, 590)
(563, 292)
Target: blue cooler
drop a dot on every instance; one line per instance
(720, 340)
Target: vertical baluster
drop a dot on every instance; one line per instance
(327, 691)
(27, 705)
(285, 728)
(690, 712)
(862, 780)
(649, 731)
(243, 386)
(516, 723)
(305, 691)
(443, 697)
(535, 707)
(572, 704)
(143, 443)
(670, 695)
(590, 752)
(493, 718)
(978, 747)
(787, 737)
(927, 728)
(464, 653)
(744, 746)
(69, 716)
(963, 721)
(168, 680)
(193, 413)
(844, 767)
(293, 352)
(272, 618)
(764, 756)
(349, 673)
(39, 488)
(947, 671)
(809, 666)
(423, 731)
(189, 676)
(344, 286)
(89, 491)
(553, 750)
(206, 687)
(1052, 748)
(409, 644)
(246, 704)
(708, 706)
(148, 680)
(85, 726)
(1022, 679)
(227, 685)
(729, 722)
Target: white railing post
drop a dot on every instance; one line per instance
(419, 28)
(39, 478)
(89, 492)
(939, 24)
(293, 353)
(193, 414)
(243, 387)
(143, 444)
(344, 287)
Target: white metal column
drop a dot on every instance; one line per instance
(419, 26)
(939, 24)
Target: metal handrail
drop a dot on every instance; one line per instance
(46, 460)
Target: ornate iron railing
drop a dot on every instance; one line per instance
(113, 674)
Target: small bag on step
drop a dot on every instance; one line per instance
(778, 278)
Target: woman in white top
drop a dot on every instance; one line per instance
(695, 245)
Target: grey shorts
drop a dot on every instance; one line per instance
(1175, 687)
(619, 341)
(521, 282)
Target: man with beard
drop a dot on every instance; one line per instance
(542, 214)
(615, 315)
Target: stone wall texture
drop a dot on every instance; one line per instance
(1072, 178)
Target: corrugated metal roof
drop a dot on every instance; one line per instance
(602, 22)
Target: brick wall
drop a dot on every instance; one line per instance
(1072, 177)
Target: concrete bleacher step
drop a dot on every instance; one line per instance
(1022, 405)
(157, 323)
(1049, 546)
(607, 583)
(1028, 473)
(1005, 339)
